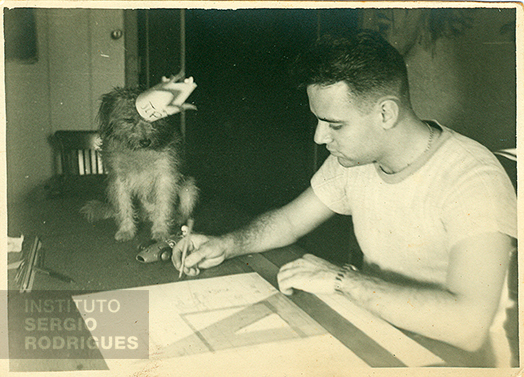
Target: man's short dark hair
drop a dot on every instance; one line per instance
(369, 65)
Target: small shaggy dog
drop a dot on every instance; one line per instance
(143, 161)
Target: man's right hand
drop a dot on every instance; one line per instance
(203, 252)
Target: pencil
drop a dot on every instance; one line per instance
(186, 246)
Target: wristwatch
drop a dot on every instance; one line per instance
(341, 275)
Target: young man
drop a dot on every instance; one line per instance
(433, 211)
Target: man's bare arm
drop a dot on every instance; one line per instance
(459, 313)
(280, 227)
(274, 229)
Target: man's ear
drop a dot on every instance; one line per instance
(389, 111)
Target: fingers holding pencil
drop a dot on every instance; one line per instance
(202, 252)
(182, 248)
(186, 231)
(187, 240)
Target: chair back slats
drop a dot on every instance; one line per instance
(79, 153)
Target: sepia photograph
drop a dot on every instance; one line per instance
(222, 188)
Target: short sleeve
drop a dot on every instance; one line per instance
(482, 201)
(330, 184)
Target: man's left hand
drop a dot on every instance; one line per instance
(310, 274)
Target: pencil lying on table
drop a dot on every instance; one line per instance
(187, 240)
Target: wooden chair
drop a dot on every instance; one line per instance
(512, 324)
(78, 159)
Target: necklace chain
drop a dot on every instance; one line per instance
(430, 140)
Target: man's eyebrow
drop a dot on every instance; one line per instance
(330, 120)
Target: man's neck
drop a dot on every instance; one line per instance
(406, 142)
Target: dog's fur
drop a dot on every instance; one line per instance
(143, 160)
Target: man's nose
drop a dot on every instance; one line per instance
(322, 134)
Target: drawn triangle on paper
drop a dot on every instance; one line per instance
(201, 320)
(242, 328)
(272, 321)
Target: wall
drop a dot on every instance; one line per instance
(469, 83)
(77, 62)
(28, 119)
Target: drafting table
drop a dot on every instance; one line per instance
(322, 333)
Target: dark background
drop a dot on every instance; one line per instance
(250, 144)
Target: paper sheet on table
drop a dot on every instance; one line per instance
(14, 244)
(232, 325)
(510, 153)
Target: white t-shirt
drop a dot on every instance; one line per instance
(407, 222)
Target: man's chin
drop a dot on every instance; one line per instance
(350, 163)
(347, 163)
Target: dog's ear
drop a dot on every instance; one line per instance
(107, 104)
(113, 104)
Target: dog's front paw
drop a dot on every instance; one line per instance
(124, 235)
(160, 236)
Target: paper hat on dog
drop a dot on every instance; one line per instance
(166, 98)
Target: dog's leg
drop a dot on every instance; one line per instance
(164, 195)
(188, 196)
(120, 197)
